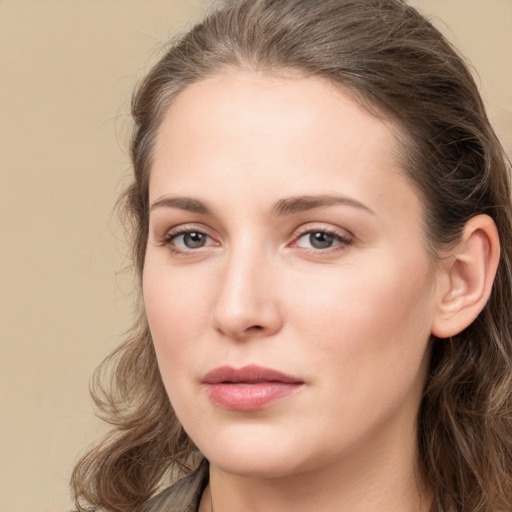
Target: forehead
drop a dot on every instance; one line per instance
(278, 134)
(259, 104)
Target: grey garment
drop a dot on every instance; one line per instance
(182, 496)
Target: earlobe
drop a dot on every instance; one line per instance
(467, 277)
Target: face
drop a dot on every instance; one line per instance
(287, 281)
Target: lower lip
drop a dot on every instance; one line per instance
(249, 396)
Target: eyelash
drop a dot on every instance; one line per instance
(342, 241)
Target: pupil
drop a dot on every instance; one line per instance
(321, 240)
(194, 240)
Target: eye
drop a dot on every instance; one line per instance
(187, 240)
(191, 240)
(320, 240)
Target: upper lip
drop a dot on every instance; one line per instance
(248, 374)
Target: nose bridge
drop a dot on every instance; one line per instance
(245, 303)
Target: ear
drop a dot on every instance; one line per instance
(466, 277)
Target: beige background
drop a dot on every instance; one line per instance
(66, 71)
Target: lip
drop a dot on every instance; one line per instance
(249, 388)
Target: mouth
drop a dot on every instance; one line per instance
(249, 388)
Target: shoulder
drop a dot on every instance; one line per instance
(182, 496)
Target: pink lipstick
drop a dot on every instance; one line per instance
(249, 388)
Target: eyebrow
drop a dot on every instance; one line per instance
(304, 203)
(285, 206)
(183, 203)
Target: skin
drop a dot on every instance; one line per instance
(352, 321)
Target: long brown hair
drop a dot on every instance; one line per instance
(396, 64)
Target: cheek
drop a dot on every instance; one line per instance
(371, 327)
(173, 296)
(171, 302)
(377, 295)
(171, 313)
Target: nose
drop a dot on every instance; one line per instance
(247, 303)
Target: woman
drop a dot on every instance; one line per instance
(322, 228)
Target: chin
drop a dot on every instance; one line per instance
(258, 465)
(253, 454)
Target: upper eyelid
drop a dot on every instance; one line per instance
(309, 227)
(181, 229)
(167, 237)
